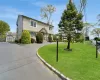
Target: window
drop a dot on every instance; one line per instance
(50, 28)
(33, 34)
(33, 23)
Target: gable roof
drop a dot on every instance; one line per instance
(35, 20)
(11, 34)
(43, 30)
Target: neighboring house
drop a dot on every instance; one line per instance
(10, 37)
(33, 26)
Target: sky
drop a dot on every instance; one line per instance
(10, 9)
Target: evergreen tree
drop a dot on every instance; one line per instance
(71, 22)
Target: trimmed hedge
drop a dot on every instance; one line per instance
(54, 38)
(49, 38)
(96, 38)
(81, 38)
(32, 40)
(25, 38)
(39, 37)
(18, 41)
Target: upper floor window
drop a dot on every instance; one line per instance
(33, 23)
(50, 28)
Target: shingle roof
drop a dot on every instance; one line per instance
(35, 20)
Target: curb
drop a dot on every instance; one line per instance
(52, 68)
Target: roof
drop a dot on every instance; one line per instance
(35, 20)
(43, 30)
(11, 34)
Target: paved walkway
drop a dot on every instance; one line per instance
(19, 62)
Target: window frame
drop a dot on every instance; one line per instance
(34, 22)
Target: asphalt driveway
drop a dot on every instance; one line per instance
(18, 62)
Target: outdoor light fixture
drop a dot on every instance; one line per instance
(57, 37)
(57, 49)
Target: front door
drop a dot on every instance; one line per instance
(44, 36)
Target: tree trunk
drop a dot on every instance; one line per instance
(68, 46)
(69, 40)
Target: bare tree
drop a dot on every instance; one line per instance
(96, 32)
(82, 5)
(86, 28)
(46, 13)
(98, 18)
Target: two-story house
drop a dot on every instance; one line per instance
(33, 26)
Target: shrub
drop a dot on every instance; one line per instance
(81, 38)
(77, 40)
(25, 38)
(32, 40)
(49, 38)
(39, 38)
(19, 41)
(60, 40)
(87, 38)
(16, 41)
(96, 38)
(54, 37)
(65, 41)
(60, 37)
(54, 40)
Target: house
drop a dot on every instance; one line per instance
(10, 37)
(33, 26)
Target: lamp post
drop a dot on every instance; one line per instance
(57, 50)
(96, 49)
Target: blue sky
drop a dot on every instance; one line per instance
(9, 10)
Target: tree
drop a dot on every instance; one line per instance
(4, 27)
(85, 30)
(71, 22)
(98, 18)
(25, 38)
(46, 13)
(82, 5)
(96, 32)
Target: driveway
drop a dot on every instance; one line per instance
(18, 62)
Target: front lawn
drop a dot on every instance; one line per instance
(80, 64)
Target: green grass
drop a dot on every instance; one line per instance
(80, 64)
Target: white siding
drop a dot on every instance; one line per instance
(39, 26)
(19, 27)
